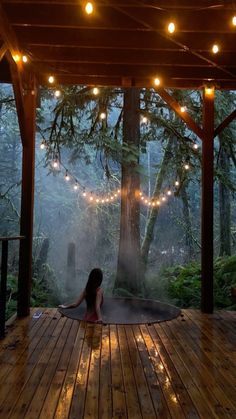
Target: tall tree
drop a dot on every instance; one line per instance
(224, 197)
(128, 268)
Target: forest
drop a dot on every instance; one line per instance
(118, 186)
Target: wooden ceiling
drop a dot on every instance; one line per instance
(125, 42)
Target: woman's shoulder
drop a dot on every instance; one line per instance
(99, 290)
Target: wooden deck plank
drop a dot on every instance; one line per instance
(61, 368)
(155, 388)
(131, 395)
(92, 393)
(200, 371)
(39, 381)
(105, 394)
(145, 400)
(118, 391)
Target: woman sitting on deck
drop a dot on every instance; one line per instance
(93, 295)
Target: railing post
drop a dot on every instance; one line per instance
(3, 288)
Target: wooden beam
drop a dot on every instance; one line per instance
(19, 95)
(27, 199)
(225, 123)
(207, 302)
(183, 115)
(7, 33)
(3, 50)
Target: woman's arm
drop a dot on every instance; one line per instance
(76, 303)
(98, 305)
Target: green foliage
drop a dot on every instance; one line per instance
(184, 283)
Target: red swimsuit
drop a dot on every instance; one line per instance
(91, 316)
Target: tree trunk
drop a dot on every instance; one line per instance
(187, 223)
(224, 202)
(128, 269)
(70, 274)
(148, 238)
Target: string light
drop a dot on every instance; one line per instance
(157, 81)
(24, 59)
(67, 177)
(76, 186)
(234, 20)
(51, 79)
(102, 115)
(171, 27)
(195, 146)
(186, 166)
(95, 91)
(209, 91)
(215, 49)
(183, 109)
(57, 93)
(89, 8)
(43, 145)
(169, 192)
(144, 120)
(176, 183)
(55, 164)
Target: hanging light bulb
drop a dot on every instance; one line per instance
(76, 186)
(209, 91)
(57, 93)
(163, 198)
(24, 58)
(89, 8)
(67, 177)
(102, 115)
(43, 145)
(157, 81)
(91, 198)
(51, 79)
(195, 146)
(176, 183)
(169, 192)
(16, 58)
(171, 27)
(158, 203)
(215, 49)
(55, 164)
(84, 194)
(183, 109)
(95, 91)
(234, 20)
(186, 166)
(144, 120)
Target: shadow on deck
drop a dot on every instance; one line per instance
(56, 367)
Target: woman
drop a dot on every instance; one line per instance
(93, 296)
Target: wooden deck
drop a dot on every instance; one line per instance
(55, 367)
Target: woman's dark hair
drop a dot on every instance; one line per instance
(94, 281)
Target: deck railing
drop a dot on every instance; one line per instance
(3, 283)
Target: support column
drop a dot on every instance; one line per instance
(207, 302)
(27, 199)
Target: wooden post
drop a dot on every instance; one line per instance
(27, 199)
(207, 302)
(3, 287)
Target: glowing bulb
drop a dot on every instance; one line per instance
(91, 198)
(144, 119)
(89, 8)
(153, 204)
(67, 177)
(186, 166)
(84, 194)
(55, 164)
(112, 197)
(234, 20)
(24, 59)
(158, 203)
(75, 187)
(169, 192)
(97, 200)
(51, 79)
(103, 201)
(142, 197)
(182, 109)
(95, 91)
(176, 183)
(208, 91)
(157, 81)
(195, 146)
(57, 93)
(163, 198)
(118, 191)
(215, 49)
(42, 145)
(102, 115)
(149, 203)
(171, 27)
(16, 58)
(146, 201)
